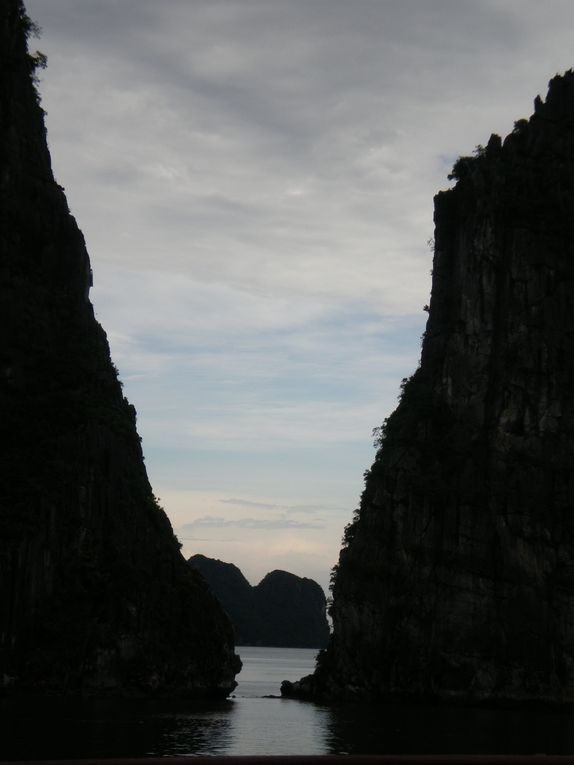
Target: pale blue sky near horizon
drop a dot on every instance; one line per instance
(255, 181)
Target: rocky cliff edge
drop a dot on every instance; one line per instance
(456, 578)
(94, 593)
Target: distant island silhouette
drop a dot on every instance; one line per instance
(282, 610)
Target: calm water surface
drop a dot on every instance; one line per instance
(249, 723)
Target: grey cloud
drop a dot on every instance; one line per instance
(287, 61)
(293, 509)
(248, 503)
(210, 521)
(183, 532)
(302, 142)
(288, 509)
(298, 90)
(104, 24)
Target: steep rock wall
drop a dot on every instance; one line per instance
(94, 593)
(456, 579)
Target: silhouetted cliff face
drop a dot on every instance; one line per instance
(94, 593)
(282, 610)
(294, 610)
(234, 593)
(457, 577)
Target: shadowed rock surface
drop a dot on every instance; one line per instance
(94, 593)
(456, 579)
(282, 610)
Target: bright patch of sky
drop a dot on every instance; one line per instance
(255, 180)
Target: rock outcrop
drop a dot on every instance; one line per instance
(282, 610)
(456, 579)
(94, 593)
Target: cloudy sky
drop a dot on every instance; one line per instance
(254, 179)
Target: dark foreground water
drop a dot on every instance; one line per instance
(252, 724)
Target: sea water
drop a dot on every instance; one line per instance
(257, 721)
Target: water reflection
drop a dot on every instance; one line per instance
(248, 726)
(34, 730)
(197, 731)
(279, 726)
(251, 724)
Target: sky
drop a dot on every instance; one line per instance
(255, 182)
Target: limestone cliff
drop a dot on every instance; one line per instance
(282, 610)
(456, 579)
(94, 593)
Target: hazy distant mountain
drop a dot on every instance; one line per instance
(282, 610)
